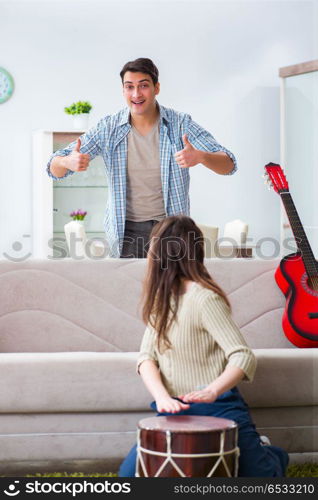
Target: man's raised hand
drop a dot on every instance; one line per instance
(189, 156)
(78, 145)
(77, 161)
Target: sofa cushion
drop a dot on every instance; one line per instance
(284, 377)
(92, 382)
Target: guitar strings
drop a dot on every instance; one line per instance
(303, 245)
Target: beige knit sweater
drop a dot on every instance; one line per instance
(204, 341)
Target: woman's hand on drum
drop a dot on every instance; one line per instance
(204, 396)
(167, 404)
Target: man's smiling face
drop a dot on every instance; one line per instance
(139, 92)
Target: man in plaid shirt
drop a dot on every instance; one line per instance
(148, 150)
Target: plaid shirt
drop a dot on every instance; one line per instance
(109, 139)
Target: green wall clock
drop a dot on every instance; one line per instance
(6, 85)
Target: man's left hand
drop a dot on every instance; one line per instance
(189, 156)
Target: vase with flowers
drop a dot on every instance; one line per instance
(75, 233)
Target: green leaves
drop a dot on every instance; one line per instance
(77, 108)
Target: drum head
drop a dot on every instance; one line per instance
(186, 423)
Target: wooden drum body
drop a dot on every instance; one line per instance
(187, 446)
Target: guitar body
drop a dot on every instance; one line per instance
(300, 318)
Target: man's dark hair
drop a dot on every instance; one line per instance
(141, 65)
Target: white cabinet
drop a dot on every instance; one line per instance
(299, 145)
(53, 201)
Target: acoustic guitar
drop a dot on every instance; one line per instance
(297, 274)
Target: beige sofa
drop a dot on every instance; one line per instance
(69, 334)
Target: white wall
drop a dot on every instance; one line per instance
(217, 60)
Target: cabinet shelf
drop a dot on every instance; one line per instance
(78, 187)
(52, 206)
(87, 232)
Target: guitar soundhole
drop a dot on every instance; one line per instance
(310, 284)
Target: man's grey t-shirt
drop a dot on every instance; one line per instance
(144, 199)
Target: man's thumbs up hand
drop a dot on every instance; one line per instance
(77, 161)
(186, 141)
(189, 156)
(78, 145)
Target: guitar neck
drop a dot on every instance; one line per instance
(301, 239)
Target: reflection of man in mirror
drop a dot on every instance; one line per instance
(148, 150)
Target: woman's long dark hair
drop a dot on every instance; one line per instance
(176, 253)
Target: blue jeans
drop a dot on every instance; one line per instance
(136, 239)
(256, 460)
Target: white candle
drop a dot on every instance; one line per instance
(236, 230)
(210, 235)
(98, 249)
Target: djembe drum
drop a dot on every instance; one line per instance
(187, 446)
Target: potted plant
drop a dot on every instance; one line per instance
(80, 111)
